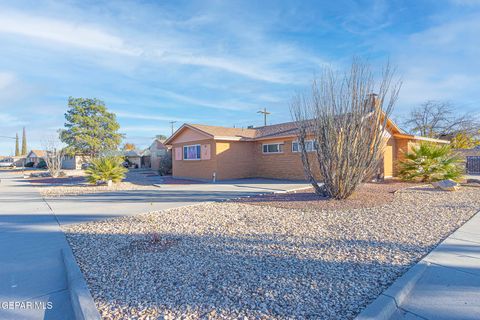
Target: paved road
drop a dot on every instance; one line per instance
(83, 208)
(31, 269)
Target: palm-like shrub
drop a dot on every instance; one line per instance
(431, 162)
(105, 169)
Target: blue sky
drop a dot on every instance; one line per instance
(219, 62)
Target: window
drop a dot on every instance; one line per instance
(273, 148)
(192, 152)
(310, 146)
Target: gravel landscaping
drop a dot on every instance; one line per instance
(237, 260)
(75, 183)
(367, 195)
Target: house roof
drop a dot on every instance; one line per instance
(217, 131)
(286, 129)
(38, 153)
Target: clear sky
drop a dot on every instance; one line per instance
(219, 62)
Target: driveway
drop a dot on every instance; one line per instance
(97, 206)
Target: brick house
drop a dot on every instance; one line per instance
(204, 152)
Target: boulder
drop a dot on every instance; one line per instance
(446, 185)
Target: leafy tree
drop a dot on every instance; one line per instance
(431, 162)
(464, 141)
(24, 143)
(129, 147)
(105, 169)
(89, 128)
(17, 151)
(161, 137)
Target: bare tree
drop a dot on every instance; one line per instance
(436, 119)
(53, 155)
(348, 123)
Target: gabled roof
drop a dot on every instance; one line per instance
(281, 130)
(215, 132)
(37, 153)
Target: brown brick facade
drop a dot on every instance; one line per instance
(245, 159)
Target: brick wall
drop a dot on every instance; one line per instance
(286, 165)
(235, 160)
(197, 169)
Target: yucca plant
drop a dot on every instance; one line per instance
(105, 169)
(431, 162)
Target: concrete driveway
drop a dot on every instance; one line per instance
(97, 206)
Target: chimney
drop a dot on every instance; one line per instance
(373, 101)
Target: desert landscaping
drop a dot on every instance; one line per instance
(248, 259)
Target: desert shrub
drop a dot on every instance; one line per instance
(104, 169)
(29, 164)
(431, 162)
(42, 164)
(165, 166)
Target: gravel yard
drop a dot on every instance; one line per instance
(237, 260)
(367, 195)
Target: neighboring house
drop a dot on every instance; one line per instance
(157, 151)
(134, 157)
(471, 158)
(35, 156)
(205, 152)
(74, 162)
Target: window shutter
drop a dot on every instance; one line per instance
(206, 153)
(178, 153)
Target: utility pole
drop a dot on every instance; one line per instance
(171, 123)
(265, 113)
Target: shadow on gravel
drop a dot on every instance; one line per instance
(249, 276)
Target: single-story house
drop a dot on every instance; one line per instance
(218, 153)
(74, 162)
(35, 156)
(157, 151)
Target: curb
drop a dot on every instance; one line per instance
(82, 302)
(386, 305)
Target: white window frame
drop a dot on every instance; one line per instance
(269, 144)
(196, 148)
(306, 141)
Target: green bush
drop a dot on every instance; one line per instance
(165, 167)
(104, 169)
(42, 164)
(29, 164)
(431, 162)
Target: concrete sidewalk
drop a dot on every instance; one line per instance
(31, 266)
(444, 285)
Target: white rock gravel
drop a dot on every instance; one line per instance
(230, 260)
(78, 189)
